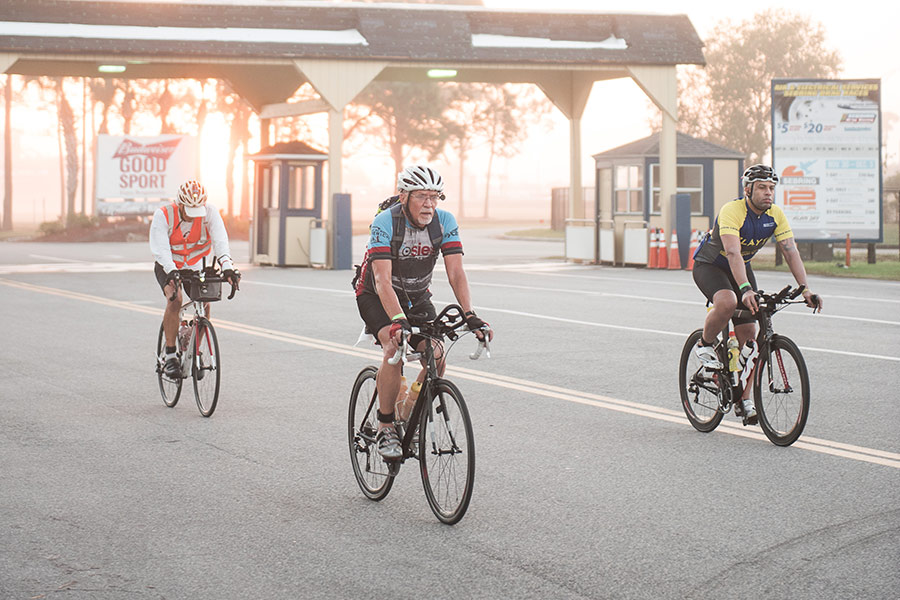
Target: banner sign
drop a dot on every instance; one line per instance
(144, 167)
(826, 149)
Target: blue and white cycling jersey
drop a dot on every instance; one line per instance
(412, 268)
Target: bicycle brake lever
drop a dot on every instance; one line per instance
(483, 346)
(400, 355)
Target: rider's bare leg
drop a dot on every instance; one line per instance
(171, 315)
(724, 303)
(388, 379)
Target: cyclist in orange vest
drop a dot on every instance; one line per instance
(181, 235)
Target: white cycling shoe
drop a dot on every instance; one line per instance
(707, 356)
(749, 412)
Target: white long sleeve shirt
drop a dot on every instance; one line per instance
(162, 249)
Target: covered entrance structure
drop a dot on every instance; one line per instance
(267, 49)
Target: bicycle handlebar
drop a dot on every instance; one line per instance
(769, 302)
(445, 324)
(210, 275)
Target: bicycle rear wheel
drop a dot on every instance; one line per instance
(372, 473)
(699, 388)
(169, 388)
(781, 391)
(206, 368)
(447, 452)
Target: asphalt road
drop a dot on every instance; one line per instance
(590, 482)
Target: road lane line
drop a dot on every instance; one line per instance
(531, 288)
(859, 453)
(58, 258)
(680, 334)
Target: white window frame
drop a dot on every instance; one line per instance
(654, 189)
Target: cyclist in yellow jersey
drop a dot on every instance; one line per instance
(722, 264)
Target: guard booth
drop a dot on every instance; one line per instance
(287, 228)
(628, 202)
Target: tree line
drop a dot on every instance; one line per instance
(421, 120)
(727, 102)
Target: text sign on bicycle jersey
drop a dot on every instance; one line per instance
(144, 167)
(826, 148)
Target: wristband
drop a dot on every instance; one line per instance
(745, 285)
(399, 315)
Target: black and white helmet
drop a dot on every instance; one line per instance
(759, 173)
(418, 177)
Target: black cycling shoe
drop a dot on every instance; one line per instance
(172, 368)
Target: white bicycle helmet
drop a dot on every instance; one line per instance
(192, 197)
(418, 177)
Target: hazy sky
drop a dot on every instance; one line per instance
(865, 34)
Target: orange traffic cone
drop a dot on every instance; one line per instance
(653, 258)
(695, 241)
(674, 256)
(663, 260)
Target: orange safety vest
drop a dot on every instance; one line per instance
(186, 250)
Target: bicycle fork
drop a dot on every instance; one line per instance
(441, 409)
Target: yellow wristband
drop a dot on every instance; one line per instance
(398, 316)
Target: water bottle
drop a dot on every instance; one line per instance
(747, 360)
(184, 336)
(733, 353)
(405, 404)
(400, 402)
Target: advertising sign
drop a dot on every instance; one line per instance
(142, 167)
(826, 148)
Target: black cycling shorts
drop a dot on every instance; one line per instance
(161, 278)
(374, 316)
(711, 278)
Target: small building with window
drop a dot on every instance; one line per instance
(287, 221)
(627, 184)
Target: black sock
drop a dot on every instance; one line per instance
(170, 349)
(704, 342)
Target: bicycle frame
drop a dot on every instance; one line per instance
(187, 357)
(433, 333)
(768, 306)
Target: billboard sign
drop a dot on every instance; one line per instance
(144, 167)
(826, 148)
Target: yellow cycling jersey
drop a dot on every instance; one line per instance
(754, 230)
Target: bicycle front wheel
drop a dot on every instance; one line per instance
(206, 368)
(781, 391)
(447, 452)
(169, 388)
(699, 388)
(372, 473)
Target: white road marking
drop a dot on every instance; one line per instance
(58, 258)
(699, 303)
(850, 451)
(76, 267)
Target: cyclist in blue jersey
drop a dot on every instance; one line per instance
(392, 286)
(722, 264)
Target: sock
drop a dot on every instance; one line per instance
(170, 351)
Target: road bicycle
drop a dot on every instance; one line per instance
(779, 377)
(438, 432)
(198, 346)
